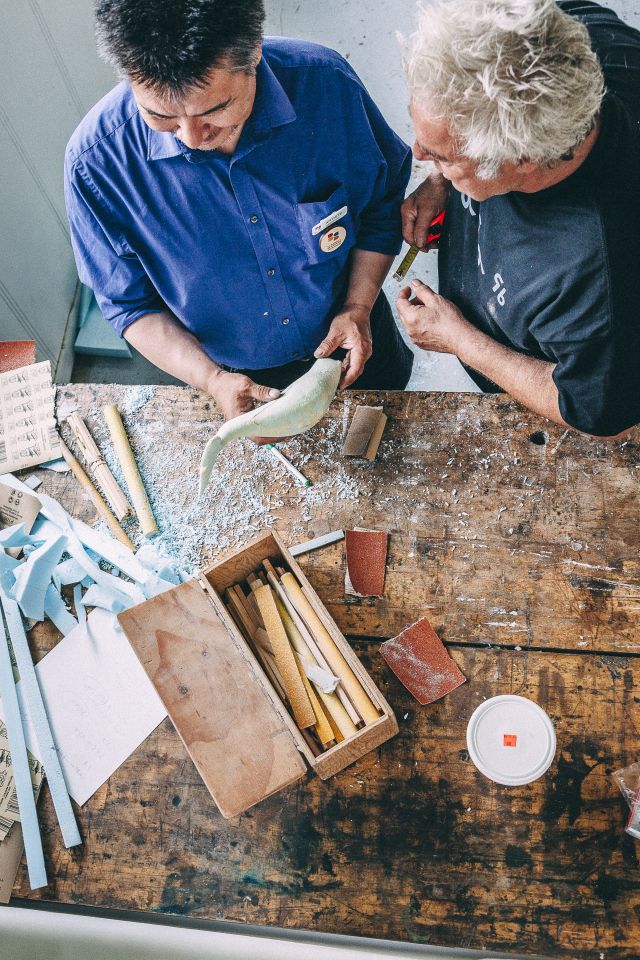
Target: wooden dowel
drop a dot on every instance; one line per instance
(130, 469)
(334, 657)
(98, 467)
(86, 484)
(296, 693)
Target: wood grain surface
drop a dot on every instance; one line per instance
(523, 553)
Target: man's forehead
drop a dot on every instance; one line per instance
(431, 132)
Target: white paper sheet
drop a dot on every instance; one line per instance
(100, 703)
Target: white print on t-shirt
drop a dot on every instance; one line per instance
(480, 263)
(466, 203)
(497, 283)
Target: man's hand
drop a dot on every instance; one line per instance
(235, 394)
(419, 209)
(431, 321)
(351, 330)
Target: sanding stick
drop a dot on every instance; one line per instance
(285, 661)
(130, 469)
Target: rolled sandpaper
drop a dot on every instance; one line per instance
(98, 467)
(129, 466)
(284, 658)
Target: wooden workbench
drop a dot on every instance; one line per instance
(520, 543)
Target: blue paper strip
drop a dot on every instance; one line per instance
(20, 768)
(37, 714)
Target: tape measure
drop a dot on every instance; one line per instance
(413, 251)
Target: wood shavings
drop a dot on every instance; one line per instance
(244, 492)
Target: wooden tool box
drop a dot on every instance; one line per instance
(236, 729)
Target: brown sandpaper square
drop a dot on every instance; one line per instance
(16, 353)
(420, 661)
(366, 562)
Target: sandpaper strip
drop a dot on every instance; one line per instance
(366, 562)
(421, 663)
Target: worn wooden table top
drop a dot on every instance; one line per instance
(520, 543)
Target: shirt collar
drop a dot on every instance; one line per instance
(272, 108)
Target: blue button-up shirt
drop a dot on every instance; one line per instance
(233, 245)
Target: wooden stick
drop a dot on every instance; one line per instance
(253, 633)
(249, 607)
(296, 693)
(317, 653)
(335, 659)
(98, 467)
(130, 469)
(102, 508)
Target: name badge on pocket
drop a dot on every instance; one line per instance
(332, 239)
(336, 215)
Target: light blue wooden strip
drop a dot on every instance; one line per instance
(20, 768)
(37, 714)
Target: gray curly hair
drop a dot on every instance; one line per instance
(515, 80)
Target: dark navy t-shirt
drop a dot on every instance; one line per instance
(555, 274)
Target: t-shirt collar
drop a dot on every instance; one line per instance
(272, 108)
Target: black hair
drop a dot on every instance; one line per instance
(170, 45)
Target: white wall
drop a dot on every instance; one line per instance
(49, 77)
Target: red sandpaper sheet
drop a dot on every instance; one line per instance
(420, 661)
(366, 562)
(16, 353)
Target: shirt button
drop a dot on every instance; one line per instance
(285, 320)
(253, 219)
(271, 272)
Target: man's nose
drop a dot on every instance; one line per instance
(417, 152)
(194, 132)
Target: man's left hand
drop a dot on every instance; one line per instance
(431, 321)
(351, 330)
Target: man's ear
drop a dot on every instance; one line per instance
(258, 54)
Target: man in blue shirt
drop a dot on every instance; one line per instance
(235, 205)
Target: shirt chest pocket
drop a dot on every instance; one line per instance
(326, 227)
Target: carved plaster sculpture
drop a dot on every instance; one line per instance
(298, 408)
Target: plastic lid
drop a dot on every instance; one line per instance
(511, 740)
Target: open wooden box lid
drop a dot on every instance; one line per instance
(228, 722)
(238, 732)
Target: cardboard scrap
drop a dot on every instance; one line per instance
(421, 663)
(365, 433)
(17, 506)
(366, 562)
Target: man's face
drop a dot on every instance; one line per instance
(210, 117)
(434, 142)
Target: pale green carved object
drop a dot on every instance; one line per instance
(298, 408)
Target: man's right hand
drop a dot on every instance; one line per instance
(234, 394)
(420, 207)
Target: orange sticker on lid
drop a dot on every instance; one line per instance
(510, 739)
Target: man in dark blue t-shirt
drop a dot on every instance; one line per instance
(530, 111)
